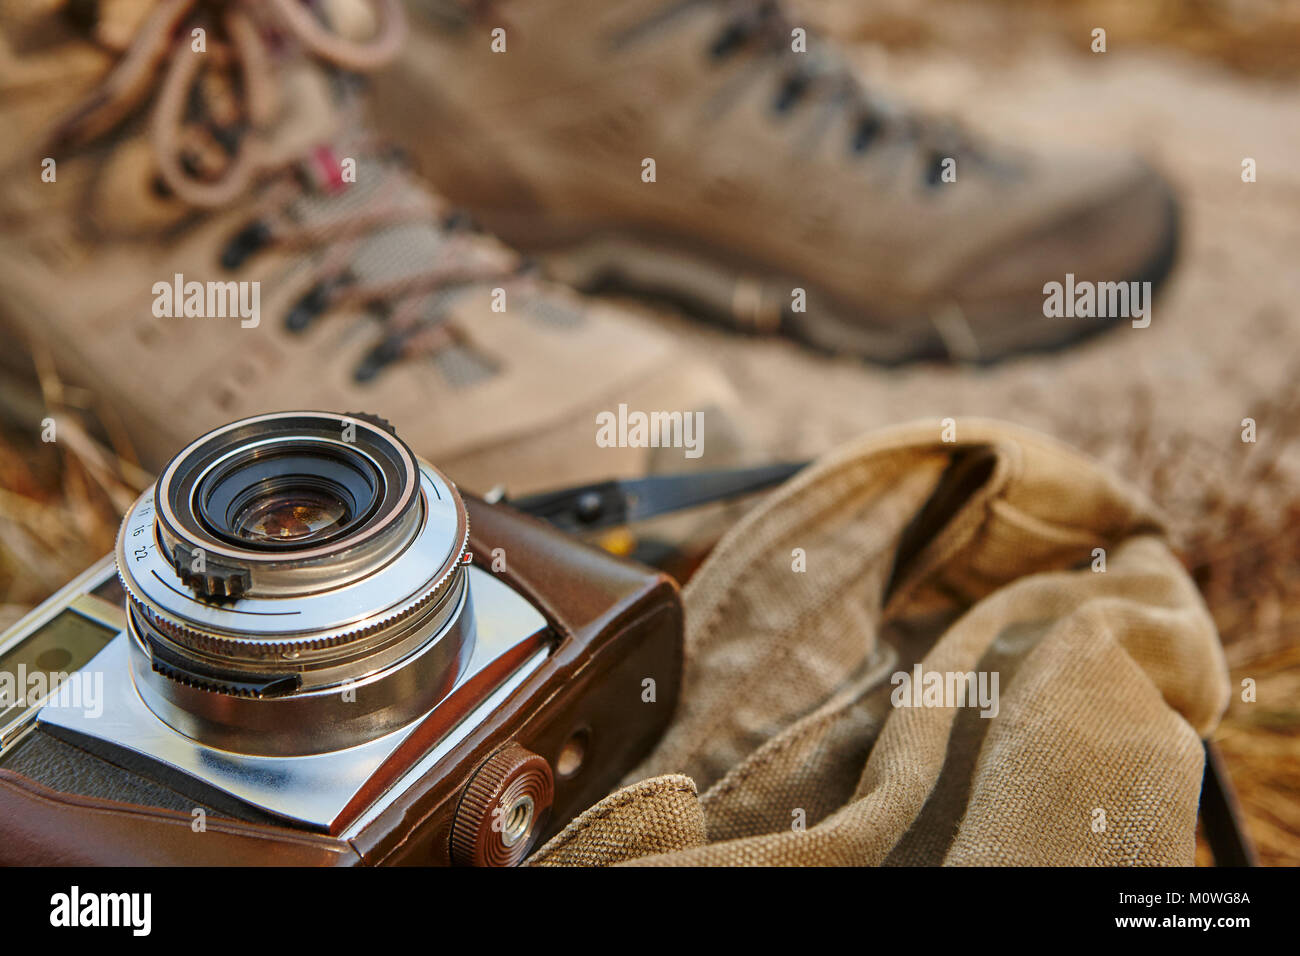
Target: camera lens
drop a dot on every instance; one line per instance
(292, 497)
(295, 583)
(269, 502)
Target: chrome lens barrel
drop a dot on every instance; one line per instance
(296, 585)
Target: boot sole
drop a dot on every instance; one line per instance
(720, 292)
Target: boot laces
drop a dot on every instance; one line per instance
(211, 130)
(763, 27)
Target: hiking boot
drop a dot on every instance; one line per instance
(783, 197)
(198, 227)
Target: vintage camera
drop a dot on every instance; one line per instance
(309, 648)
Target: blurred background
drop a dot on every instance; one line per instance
(1196, 84)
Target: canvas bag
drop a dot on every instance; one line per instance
(972, 555)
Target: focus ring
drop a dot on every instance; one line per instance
(213, 642)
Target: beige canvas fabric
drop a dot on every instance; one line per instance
(972, 555)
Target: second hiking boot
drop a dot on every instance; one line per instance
(686, 148)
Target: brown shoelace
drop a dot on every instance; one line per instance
(211, 161)
(764, 28)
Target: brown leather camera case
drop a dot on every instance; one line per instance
(613, 625)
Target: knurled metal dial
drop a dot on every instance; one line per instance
(213, 642)
(502, 808)
(216, 582)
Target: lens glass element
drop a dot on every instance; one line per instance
(295, 496)
(296, 514)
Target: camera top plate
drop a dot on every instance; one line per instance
(310, 790)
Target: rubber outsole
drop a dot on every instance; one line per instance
(704, 287)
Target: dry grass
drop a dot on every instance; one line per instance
(60, 500)
(1256, 37)
(1260, 742)
(1234, 514)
